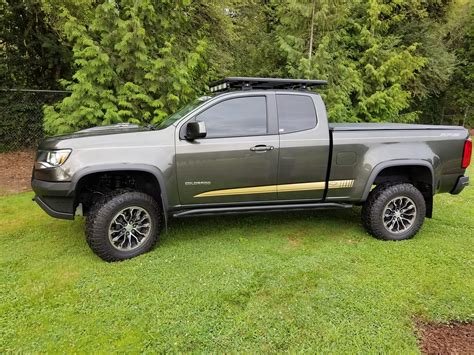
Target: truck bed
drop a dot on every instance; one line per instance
(360, 149)
(387, 127)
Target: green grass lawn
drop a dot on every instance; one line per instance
(312, 281)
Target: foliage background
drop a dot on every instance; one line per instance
(137, 61)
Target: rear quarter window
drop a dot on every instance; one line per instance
(295, 113)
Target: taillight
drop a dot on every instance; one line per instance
(466, 154)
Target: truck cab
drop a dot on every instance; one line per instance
(259, 146)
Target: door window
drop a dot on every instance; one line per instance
(295, 113)
(242, 116)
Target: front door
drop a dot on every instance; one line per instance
(238, 159)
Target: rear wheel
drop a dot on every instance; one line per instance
(123, 225)
(394, 212)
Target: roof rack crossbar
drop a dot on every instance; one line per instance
(248, 83)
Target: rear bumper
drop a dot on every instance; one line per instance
(461, 183)
(54, 198)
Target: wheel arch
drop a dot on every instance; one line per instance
(150, 170)
(419, 172)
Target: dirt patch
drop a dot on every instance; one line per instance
(453, 338)
(15, 171)
(294, 240)
(350, 241)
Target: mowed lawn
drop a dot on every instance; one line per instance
(312, 281)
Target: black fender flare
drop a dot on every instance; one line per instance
(124, 167)
(393, 163)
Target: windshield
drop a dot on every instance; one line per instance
(182, 112)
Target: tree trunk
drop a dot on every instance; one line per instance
(310, 52)
(465, 116)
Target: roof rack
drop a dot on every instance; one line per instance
(248, 83)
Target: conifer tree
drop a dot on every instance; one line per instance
(135, 62)
(368, 68)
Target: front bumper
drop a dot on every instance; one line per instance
(461, 183)
(55, 198)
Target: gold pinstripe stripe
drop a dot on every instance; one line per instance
(240, 191)
(305, 186)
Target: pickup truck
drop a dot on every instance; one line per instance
(252, 145)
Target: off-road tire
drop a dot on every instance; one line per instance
(101, 214)
(378, 199)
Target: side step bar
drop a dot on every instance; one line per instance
(256, 209)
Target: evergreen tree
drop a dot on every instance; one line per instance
(351, 45)
(447, 83)
(135, 62)
(32, 55)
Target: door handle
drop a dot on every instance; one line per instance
(261, 148)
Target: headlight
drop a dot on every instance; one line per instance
(52, 158)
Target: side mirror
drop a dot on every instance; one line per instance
(195, 130)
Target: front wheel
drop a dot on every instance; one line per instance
(394, 212)
(123, 225)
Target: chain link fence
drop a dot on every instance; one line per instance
(21, 116)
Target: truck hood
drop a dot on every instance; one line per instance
(118, 128)
(110, 130)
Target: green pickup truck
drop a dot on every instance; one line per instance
(252, 145)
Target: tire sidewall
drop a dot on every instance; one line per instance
(378, 207)
(109, 210)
